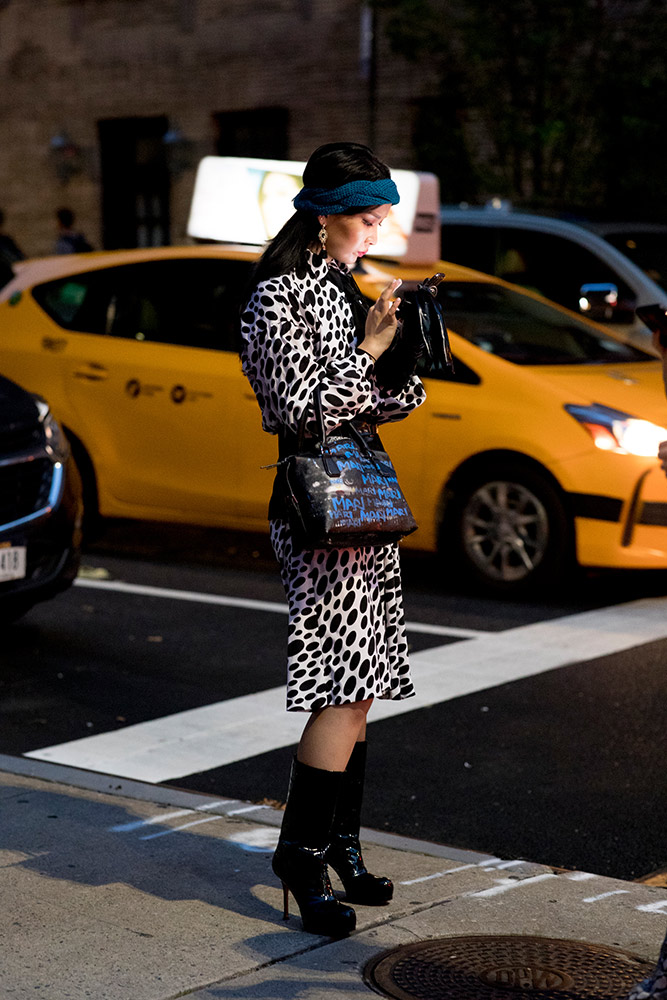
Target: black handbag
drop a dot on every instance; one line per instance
(422, 323)
(342, 489)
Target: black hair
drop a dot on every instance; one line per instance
(330, 166)
(65, 217)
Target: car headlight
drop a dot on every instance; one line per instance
(614, 430)
(55, 441)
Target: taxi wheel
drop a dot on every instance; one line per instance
(508, 530)
(91, 516)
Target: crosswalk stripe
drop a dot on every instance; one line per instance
(215, 735)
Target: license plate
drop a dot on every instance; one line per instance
(12, 563)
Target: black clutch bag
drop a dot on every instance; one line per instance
(342, 489)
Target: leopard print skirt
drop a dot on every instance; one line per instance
(346, 637)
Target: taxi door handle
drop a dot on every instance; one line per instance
(91, 371)
(54, 343)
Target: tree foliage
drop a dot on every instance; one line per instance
(553, 103)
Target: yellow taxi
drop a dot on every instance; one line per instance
(538, 450)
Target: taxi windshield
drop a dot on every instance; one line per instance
(526, 331)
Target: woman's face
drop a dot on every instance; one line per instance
(349, 237)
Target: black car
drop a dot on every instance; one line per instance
(41, 509)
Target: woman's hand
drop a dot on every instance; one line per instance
(381, 322)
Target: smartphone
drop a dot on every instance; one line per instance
(655, 317)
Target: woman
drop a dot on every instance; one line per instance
(305, 326)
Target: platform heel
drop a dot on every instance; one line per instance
(344, 853)
(299, 859)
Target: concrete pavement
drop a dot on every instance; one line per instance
(119, 890)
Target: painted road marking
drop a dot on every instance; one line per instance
(429, 878)
(233, 730)
(249, 604)
(658, 907)
(162, 817)
(504, 885)
(263, 839)
(183, 826)
(246, 809)
(488, 865)
(605, 895)
(504, 864)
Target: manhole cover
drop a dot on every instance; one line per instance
(494, 968)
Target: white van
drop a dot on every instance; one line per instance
(568, 263)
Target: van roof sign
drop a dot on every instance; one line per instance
(244, 200)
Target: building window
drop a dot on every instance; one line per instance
(135, 182)
(259, 132)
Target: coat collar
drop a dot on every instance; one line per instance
(318, 266)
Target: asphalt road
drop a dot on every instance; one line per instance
(563, 766)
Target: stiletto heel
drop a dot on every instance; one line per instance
(344, 852)
(299, 860)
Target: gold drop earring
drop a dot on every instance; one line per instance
(322, 236)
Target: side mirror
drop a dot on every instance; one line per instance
(601, 303)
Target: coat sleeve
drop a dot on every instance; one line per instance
(284, 364)
(397, 405)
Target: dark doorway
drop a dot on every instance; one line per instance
(135, 182)
(259, 132)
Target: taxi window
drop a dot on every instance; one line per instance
(525, 331)
(190, 302)
(78, 302)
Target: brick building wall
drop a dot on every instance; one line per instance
(68, 65)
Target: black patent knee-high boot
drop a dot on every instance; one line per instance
(299, 860)
(344, 854)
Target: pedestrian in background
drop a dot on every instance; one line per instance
(69, 240)
(9, 251)
(655, 987)
(305, 326)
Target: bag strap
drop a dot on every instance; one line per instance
(330, 464)
(319, 420)
(328, 461)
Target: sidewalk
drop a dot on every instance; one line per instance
(117, 890)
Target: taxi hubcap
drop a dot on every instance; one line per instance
(505, 530)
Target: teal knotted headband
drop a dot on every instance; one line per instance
(356, 194)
